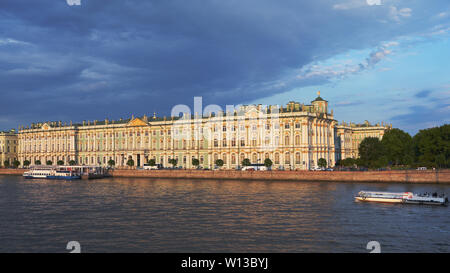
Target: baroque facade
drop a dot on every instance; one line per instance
(293, 137)
(8, 147)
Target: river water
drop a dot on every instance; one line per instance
(169, 215)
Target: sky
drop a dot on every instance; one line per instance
(74, 60)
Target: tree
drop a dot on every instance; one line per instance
(173, 161)
(397, 147)
(26, 163)
(348, 162)
(370, 151)
(152, 162)
(60, 162)
(268, 163)
(16, 163)
(246, 162)
(37, 162)
(219, 162)
(112, 163)
(49, 162)
(195, 162)
(6, 163)
(72, 162)
(322, 163)
(130, 162)
(431, 147)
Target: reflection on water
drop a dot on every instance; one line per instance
(164, 215)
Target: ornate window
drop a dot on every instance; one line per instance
(277, 158)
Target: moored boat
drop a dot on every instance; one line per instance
(50, 173)
(403, 198)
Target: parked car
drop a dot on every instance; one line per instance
(422, 168)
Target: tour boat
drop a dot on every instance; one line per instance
(50, 173)
(402, 197)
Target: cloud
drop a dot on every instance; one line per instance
(342, 69)
(353, 4)
(443, 15)
(97, 60)
(397, 14)
(423, 94)
(9, 41)
(423, 116)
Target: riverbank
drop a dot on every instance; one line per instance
(405, 176)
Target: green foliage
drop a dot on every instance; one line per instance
(195, 162)
(112, 163)
(152, 162)
(60, 162)
(431, 147)
(130, 162)
(428, 148)
(6, 163)
(37, 162)
(49, 162)
(26, 163)
(322, 163)
(219, 162)
(173, 161)
(348, 162)
(370, 151)
(268, 163)
(397, 146)
(16, 163)
(72, 162)
(246, 162)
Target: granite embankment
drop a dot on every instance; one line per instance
(406, 176)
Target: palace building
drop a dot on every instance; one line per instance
(8, 147)
(293, 137)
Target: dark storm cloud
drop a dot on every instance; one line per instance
(114, 58)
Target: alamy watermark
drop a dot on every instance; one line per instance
(233, 126)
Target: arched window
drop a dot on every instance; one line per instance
(286, 140)
(254, 158)
(277, 158)
(233, 159)
(297, 158)
(297, 140)
(287, 158)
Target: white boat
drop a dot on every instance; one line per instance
(401, 197)
(50, 173)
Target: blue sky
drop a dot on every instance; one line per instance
(110, 59)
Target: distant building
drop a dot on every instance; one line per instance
(350, 135)
(8, 147)
(294, 137)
